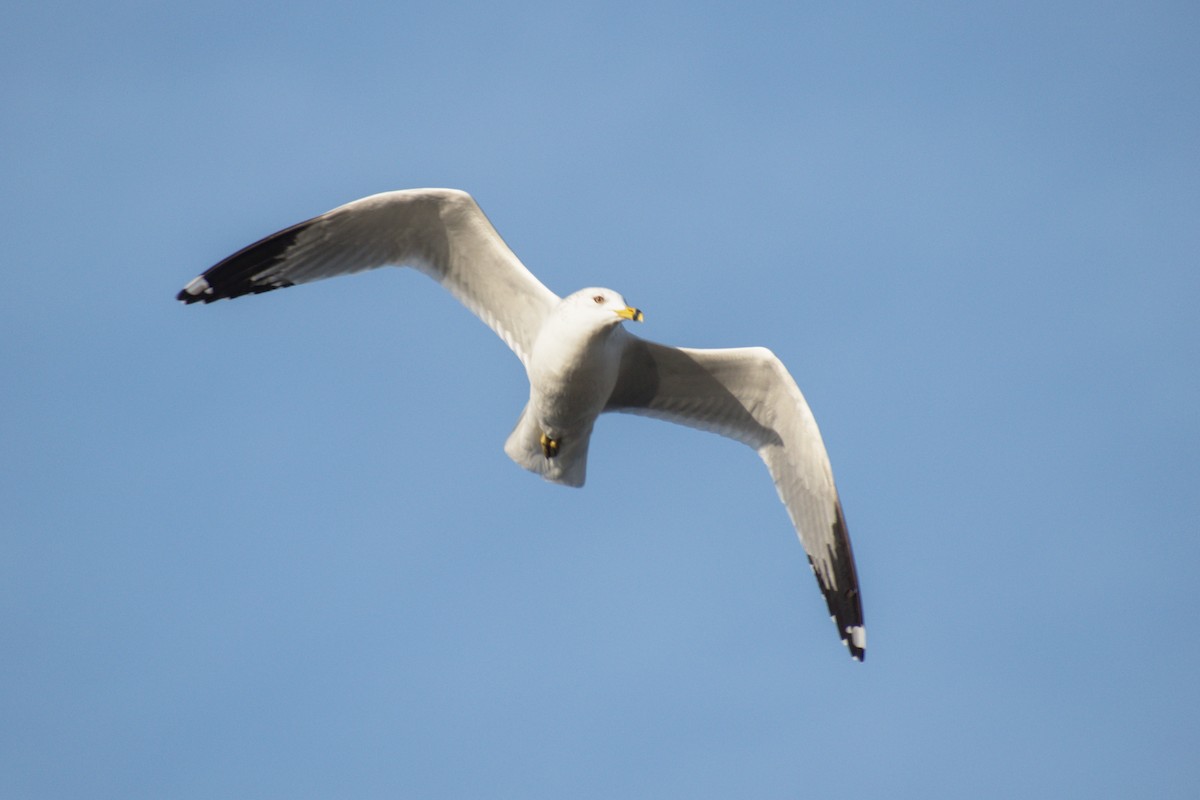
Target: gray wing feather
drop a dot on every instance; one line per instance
(441, 232)
(748, 395)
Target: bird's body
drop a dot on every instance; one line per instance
(572, 370)
(579, 359)
(574, 367)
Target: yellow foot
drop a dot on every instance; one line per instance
(549, 446)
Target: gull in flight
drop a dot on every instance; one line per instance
(580, 360)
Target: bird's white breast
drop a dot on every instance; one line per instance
(572, 371)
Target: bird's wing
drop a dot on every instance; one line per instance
(441, 232)
(747, 394)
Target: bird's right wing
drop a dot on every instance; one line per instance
(747, 394)
(441, 232)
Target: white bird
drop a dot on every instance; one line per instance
(578, 356)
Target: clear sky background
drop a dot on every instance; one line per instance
(273, 548)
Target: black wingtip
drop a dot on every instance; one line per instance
(248, 271)
(840, 589)
(187, 296)
(205, 294)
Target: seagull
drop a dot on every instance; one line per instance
(580, 360)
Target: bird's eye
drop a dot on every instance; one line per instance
(599, 299)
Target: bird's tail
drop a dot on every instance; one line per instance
(568, 466)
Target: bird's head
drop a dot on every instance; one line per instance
(605, 306)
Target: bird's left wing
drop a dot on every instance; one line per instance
(747, 394)
(441, 232)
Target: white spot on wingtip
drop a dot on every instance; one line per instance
(198, 286)
(858, 635)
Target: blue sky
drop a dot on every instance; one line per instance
(273, 548)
